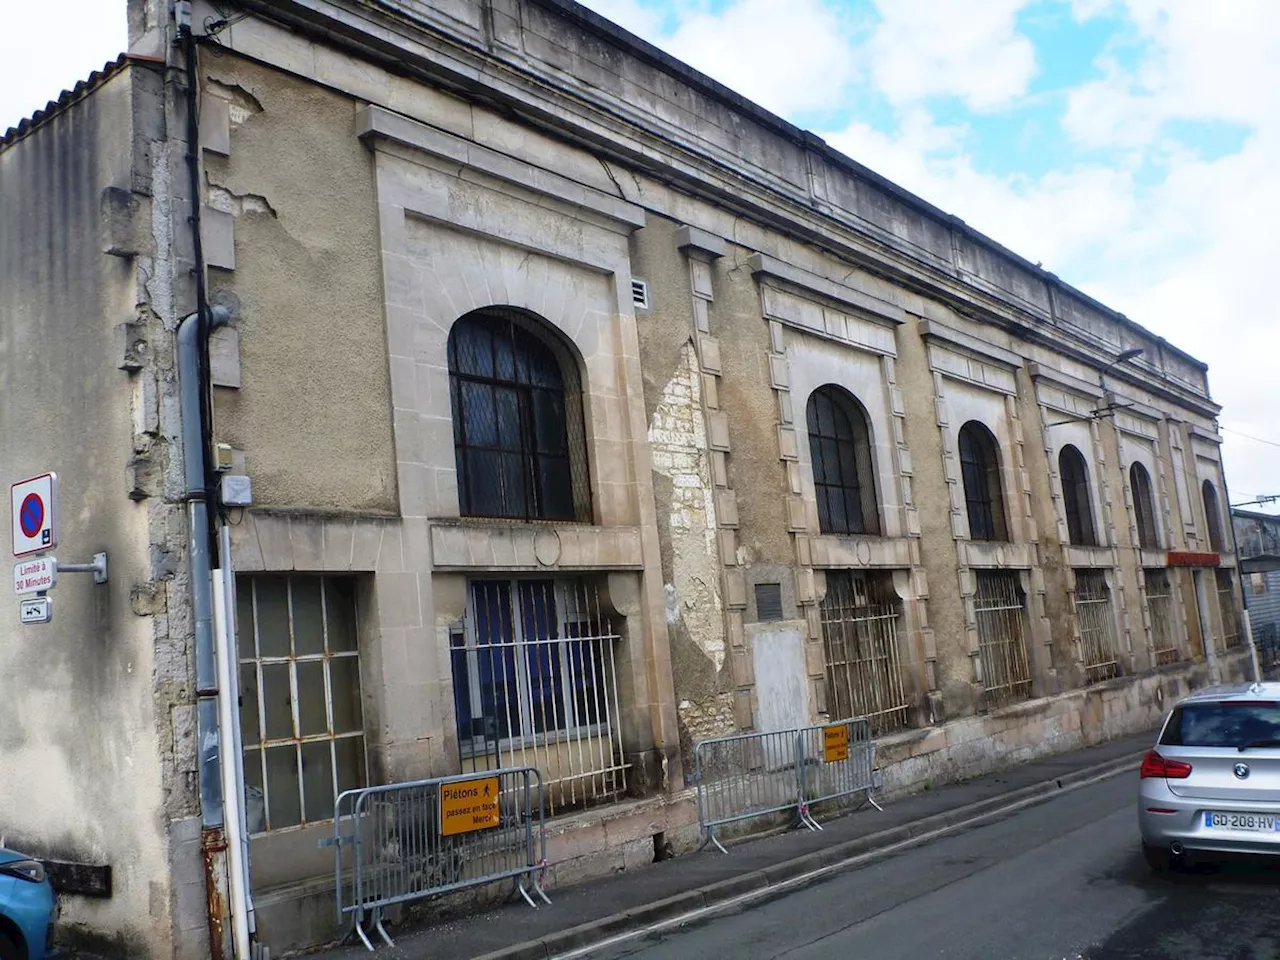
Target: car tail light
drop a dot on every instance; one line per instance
(1154, 765)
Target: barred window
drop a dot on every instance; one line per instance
(1164, 636)
(1212, 516)
(1228, 607)
(1144, 507)
(1097, 625)
(517, 420)
(983, 491)
(1074, 474)
(840, 448)
(301, 716)
(535, 684)
(1000, 608)
(860, 619)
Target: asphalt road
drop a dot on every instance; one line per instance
(1060, 881)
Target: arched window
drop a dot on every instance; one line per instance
(1144, 507)
(983, 491)
(840, 448)
(1212, 516)
(1074, 473)
(517, 420)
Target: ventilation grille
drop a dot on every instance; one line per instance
(768, 602)
(639, 294)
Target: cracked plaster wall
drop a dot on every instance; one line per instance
(308, 279)
(684, 490)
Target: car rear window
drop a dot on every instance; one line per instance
(1223, 724)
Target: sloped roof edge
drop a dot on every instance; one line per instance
(68, 97)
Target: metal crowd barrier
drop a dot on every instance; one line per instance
(743, 776)
(838, 761)
(408, 841)
(753, 774)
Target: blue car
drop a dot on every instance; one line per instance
(26, 908)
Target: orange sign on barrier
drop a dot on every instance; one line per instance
(468, 805)
(835, 743)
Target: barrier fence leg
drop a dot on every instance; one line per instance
(802, 800)
(711, 837)
(364, 937)
(382, 931)
(806, 818)
(525, 893)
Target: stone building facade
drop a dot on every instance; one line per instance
(589, 411)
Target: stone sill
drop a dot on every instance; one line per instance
(495, 545)
(853, 551)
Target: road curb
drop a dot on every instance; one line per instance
(756, 881)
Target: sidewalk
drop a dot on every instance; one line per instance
(611, 905)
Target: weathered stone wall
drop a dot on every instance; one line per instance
(684, 488)
(96, 719)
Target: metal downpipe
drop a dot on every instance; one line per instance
(191, 345)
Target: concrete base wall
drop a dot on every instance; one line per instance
(624, 837)
(977, 746)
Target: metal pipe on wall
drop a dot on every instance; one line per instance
(229, 745)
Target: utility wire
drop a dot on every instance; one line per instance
(1270, 443)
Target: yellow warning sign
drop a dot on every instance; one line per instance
(835, 743)
(468, 805)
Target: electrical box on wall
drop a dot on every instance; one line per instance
(224, 457)
(237, 490)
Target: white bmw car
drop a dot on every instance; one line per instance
(1212, 783)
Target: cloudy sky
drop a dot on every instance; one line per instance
(1132, 146)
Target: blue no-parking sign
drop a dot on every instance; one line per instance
(34, 511)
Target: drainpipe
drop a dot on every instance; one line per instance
(192, 343)
(232, 755)
(217, 743)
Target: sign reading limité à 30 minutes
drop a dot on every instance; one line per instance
(35, 576)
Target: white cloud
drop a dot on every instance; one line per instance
(46, 50)
(1202, 61)
(790, 56)
(1054, 219)
(644, 22)
(970, 50)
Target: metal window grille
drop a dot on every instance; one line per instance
(1097, 626)
(535, 684)
(860, 616)
(1164, 637)
(1227, 607)
(1000, 608)
(980, 472)
(1144, 507)
(1074, 474)
(840, 448)
(517, 420)
(300, 706)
